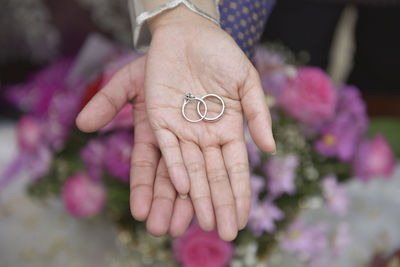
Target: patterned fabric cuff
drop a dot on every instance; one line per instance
(142, 10)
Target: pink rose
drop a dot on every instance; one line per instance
(197, 248)
(373, 158)
(310, 97)
(29, 133)
(82, 196)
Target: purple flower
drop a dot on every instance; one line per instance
(263, 216)
(118, 154)
(254, 154)
(281, 174)
(93, 156)
(341, 238)
(334, 195)
(306, 241)
(257, 185)
(252, 149)
(271, 69)
(340, 137)
(374, 158)
(264, 213)
(38, 163)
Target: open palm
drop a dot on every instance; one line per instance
(207, 159)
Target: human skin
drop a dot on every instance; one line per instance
(207, 160)
(153, 197)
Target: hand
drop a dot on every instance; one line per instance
(191, 54)
(153, 197)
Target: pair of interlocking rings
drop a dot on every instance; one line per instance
(203, 116)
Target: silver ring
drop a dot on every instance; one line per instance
(205, 114)
(189, 97)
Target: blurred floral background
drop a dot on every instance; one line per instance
(328, 198)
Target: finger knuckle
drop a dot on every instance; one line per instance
(244, 197)
(140, 186)
(169, 146)
(143, 163)
(252, 116)
(201, 198)
(110, 100)
(217, 177)
(163, 174)
(225, 205)
(164, 197)
(195, 167)
(175, 165)
(239, 169)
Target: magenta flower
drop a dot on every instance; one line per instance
(117, 158)
(303, 240)
(374, 158)
(341, 136)
(281, 174)
(310, 97)
(29, 133)
(197, 248)
(36, 95)
(47, 97)
(263, 216)
(34, 154)
(334, 195)
(61, 118)
(82, 196)
(93, 155)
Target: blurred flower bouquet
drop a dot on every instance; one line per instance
(319, 128)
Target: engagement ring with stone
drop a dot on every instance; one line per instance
(202, 116)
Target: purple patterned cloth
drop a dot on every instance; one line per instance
(244, 20)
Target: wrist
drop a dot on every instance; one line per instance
(180, 15)
(150, 15)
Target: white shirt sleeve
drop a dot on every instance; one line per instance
(138, 8)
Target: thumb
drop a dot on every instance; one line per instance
(125, 85)
(257, 113)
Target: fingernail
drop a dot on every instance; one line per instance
(183, 196)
